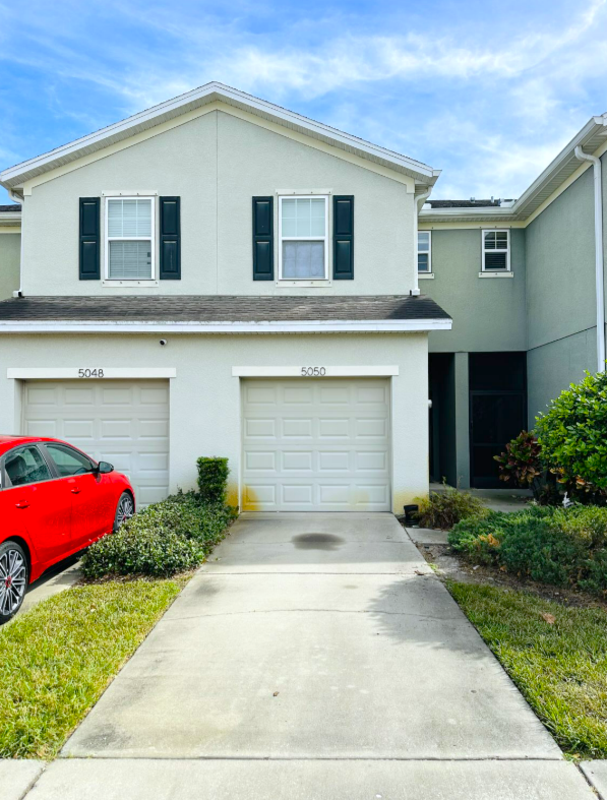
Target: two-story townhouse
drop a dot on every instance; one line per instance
(220, 276)
(524, 283)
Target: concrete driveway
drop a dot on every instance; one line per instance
(316, 656)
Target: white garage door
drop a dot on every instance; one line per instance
(316, 445)
(123, 422)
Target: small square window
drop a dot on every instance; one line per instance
(424, 251)
(496, 251)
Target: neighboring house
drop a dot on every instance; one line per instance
(10, 248)
(520, 280)
(220, 276)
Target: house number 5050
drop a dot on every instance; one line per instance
(313, 372)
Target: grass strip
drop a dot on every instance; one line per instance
(58, 658)
(557, 656)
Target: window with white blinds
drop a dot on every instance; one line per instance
(130, 238)
(303, 224)
(496, 251)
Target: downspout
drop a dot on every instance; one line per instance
(420, 199)
(599, 257)
(17, 199)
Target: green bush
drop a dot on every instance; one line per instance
(445, 508)
(163, 539)
(573, 438)
(213, 479)
(562, 547)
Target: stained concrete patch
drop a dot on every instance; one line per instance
(17, 776)
(236, 779)
(317, 541)
(596, 772)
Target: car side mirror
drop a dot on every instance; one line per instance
(104, 467)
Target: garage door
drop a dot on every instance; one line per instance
(123, 422)
(316, 445)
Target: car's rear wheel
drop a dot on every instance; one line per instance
(124, 510)
(14, 579)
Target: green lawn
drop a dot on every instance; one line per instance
(561, 668)
(57, 659)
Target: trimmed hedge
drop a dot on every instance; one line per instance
(164, 539)
(562, 547)
(213, 479)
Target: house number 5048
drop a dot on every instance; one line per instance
(91, 373)
(313, 372)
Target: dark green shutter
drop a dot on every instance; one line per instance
(343, 237)
(263, 238)
(170, 238)
(90, 241)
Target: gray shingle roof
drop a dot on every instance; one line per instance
(8, 209)
(463, 203)
(220, 308)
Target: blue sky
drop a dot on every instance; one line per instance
(488, 92)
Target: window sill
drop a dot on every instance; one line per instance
(496, 274)
(287, 284)
(425, 276)
(128, 284)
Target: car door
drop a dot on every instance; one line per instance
(43, 505)
(91, 492)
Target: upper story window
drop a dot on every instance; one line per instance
(130, 238)
(496, 251)
(304, 241)
(424, 251)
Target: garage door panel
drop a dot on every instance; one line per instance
(318, 444)
(123, 422)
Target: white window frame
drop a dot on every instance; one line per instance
(429, 251)
(324, 238)
(152, 237)
(501, 250)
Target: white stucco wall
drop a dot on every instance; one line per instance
(205, 408)
(216, 163)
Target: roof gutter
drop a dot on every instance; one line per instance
(228, 327)
(599, 256)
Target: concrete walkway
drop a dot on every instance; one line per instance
(315, 657)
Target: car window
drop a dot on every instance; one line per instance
(26, 465)
(69, 462)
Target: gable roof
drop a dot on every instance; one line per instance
(590, 138)
(204, 95)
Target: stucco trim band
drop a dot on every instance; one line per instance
(330, 372)
(69, 373)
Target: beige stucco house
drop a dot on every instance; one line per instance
(220, 276)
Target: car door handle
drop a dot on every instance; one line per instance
(22, 504)
(75, 490)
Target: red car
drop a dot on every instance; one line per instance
(54, 501)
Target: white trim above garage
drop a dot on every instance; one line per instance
(304, 372)
(112, 373)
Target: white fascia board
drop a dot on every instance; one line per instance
(330, 372)
(204, 94)
(346, 326)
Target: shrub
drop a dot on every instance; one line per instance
(563, 547)
(213, 479)
(573, 438)
(520, 464)
(163, 539)
(141, 551)
(444, 509)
